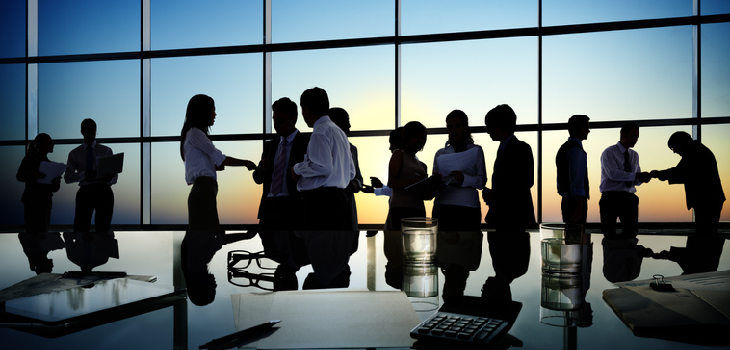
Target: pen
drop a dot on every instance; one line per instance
(246, 333)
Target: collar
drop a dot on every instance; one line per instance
(290, 138)
(321, 120)
(575, 139)
(86, 145)
(621, 147)
(503, 144)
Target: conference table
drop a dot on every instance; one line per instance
(172, 290)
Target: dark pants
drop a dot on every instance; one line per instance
(706, 217)
(202, 205)
(37, 212)
(90, 198)
(398, 213)
(457, 217)
(622, 205)
(568, 207)
(326, 208)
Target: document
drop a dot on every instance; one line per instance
(328, 319)
(52, 171)
(109, 166)
(456, 161)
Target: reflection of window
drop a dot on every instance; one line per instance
(88, 26)
(106, 91)
(624, 75)
(233, 81)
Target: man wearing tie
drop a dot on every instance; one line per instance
(620, 174)
(281, 205)
(94, 194)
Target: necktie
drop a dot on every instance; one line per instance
(627, 167)
(279, 169)
(89, 158)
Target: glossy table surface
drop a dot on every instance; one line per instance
(554, 315)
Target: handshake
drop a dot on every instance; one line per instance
(644, 176)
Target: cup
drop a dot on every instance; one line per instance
(419, 240)
(561, 248)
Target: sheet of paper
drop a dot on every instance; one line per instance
(52, 171)
(329, 319)
(716, 280)
(456, 161)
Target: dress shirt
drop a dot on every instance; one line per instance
(201, 156)
(577, 167)
(383, 191)
(284, 191)
(328, 162)
(475, 177)
(76, 164)
(613, 175)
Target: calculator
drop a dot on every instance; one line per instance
(470, 325)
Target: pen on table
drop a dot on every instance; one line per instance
(246, 333)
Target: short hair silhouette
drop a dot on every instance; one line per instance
(576, 122)
(286, 106)
(316, 100)
(197, 115)
(502, 116)
(412, 129)
(628, 127)
(340, 117)
(459, 114)
(88, 123)
(679, 138)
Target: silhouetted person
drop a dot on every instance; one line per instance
(404, 169)
(457, 205)
(572, 164)
(327, 167)
(511, 210)
(620, 174)
(701, 254)
(698, 172)
(281, 208)
(340, 117)
(395, 141)
(95, 195)
(622, 257)
(202, 160)
(37, 197)
(36, 246)
(89, 250)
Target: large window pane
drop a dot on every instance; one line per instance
(360, 80)
(12, 25)
(108, 92)
(233, 81)
(310, 20)
(714, 7)
(715, 138)
(11, 208)
(88, 26)
(659, 202)
(715, 70)
(238, 196)
(638, 74)
(433, 17)
(559, 12)
(474, 76)
(126, 190)
(12, 98)
(176, 24)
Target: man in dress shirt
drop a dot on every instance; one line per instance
(620, 174)
(281, 205)
(327, 167)
(341, 118)
(572, 164)
(94, 194)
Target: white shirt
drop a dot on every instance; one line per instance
(475, 177)
(613, 176)
(201, 156)
(328, 162)
(76, 164)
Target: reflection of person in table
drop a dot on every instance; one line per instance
(37, 197)
(457, 205)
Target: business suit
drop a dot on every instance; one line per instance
(511, 211)
(281, 213)
(698, 172)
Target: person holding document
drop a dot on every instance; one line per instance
(404, 170)
(95, 194)
(37, 201)
(201, 160)
(461, 165)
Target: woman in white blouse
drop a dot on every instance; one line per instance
(461, 163)
(201, 160)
